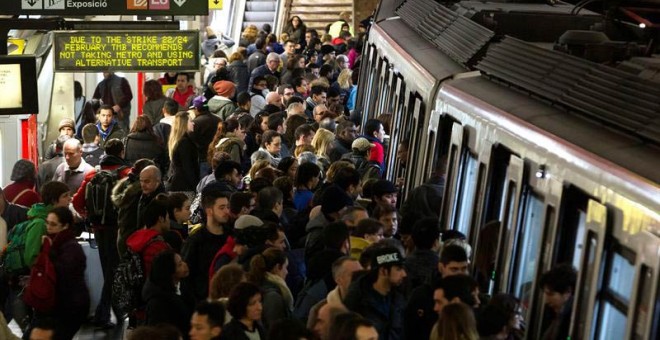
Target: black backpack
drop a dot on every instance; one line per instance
(128, 280)
(98, 201)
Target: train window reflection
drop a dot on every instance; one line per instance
(621, 273)
(589, 266)
(531, 232)
(613, 323)
(468, 185)
(579, 239)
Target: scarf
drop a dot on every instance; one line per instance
(284, 289)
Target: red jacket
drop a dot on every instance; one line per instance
(225, 254)
(79, 197)
(139, 243)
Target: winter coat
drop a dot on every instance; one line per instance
(33, 239)
(419, 316)
(153, 109)
(143, 144)
(70, 263)
(221, 106)
(140, 242)
(239, 75)
(13, 214)
(184, 169)
(164, 306)
(277, 301)
(363, 299)
(114, 131)
(198, 252)
(108, 162)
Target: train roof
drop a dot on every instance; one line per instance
(642, 159)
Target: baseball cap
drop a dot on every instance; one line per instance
(387, 256)
(362, 144)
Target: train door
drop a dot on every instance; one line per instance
(595, 230)
(419, 152)
(392, 167)
(509, 218)
(462, 180)
(645, 323)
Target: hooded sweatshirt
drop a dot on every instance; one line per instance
(148, 243)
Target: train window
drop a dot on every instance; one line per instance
(529, 242)
(644, 302)
(579, 245)
(615, 296)
(572, 223)
(464, 204)
(498, 163)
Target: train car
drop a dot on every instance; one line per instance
(542, 167)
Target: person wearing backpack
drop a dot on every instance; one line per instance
(11, 213)
(93, 201)
(71, 303)
(149, 241)
(24, 243)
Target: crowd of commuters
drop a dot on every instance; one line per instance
(257, 213)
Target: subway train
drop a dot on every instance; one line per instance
(561, 152)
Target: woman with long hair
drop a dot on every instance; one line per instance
(296, 29)
(142, 142)
(322, 142)
(268, 271)
(229, 138)
(154, 101)
(184, 165)
(245, 306)
(456, 322)
(161, 292)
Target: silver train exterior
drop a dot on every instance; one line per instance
(564, 189)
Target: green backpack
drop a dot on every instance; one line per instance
(13, 258)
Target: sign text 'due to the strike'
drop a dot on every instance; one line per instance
(85, 51)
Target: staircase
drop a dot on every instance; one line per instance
(260, 12)
(318, 14)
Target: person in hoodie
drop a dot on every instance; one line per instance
(221, 104)
(150, 241)
(105, 233)
(375, 133)
(167, 302)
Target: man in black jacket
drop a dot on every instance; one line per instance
(376, 297)
(200, 248)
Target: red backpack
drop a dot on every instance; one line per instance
(40, 292)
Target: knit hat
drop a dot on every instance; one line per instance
(326, 49)
(67, 122)
(22, 169)
(224, 88)
(334, 199)
(383, 187)
(362, 144)
(246, 221)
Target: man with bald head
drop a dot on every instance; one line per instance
(151, 184)
(295, 109)
(274, 99)
(73, 171)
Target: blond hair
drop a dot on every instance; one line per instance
(179, 129)
(322, 141)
